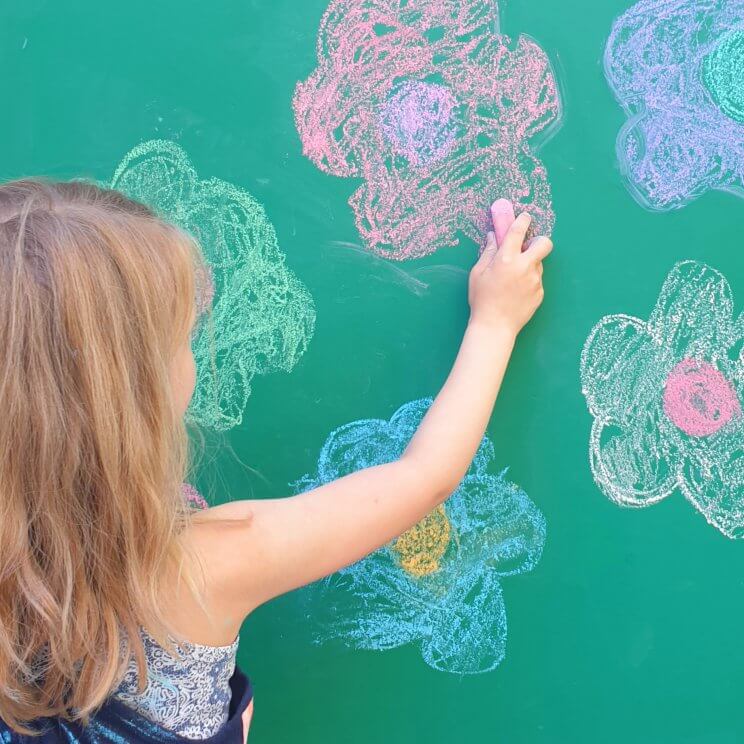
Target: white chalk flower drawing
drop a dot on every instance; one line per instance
(666, 398)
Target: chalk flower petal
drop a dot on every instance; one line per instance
(694, 313)
(370, 614)
(468, 635)
(618, 369)
(713, 481)
(256, 315)
(356, 446)
(633, 467)
(513, 543)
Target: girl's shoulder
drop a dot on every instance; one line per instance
(215, 547)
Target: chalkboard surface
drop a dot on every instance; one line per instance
(629, 629)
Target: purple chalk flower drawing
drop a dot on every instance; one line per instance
(677, 68)
(435, 110)
(666, 397)
(439, 584)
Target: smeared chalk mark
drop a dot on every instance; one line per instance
(439, 583)
(666, 397)
(262, 317)
(435, 110)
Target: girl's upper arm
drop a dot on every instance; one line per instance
(282, 544)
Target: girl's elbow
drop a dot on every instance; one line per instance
(438, 483)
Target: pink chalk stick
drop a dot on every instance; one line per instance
(502, 213)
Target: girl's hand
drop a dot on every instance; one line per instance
(506, 284)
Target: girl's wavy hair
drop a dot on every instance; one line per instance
(96, 295)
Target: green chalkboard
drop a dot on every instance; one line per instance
(629, 628)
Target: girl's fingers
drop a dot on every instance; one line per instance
(489, 251)
(516, 235)
(502, 215)
(539, 249)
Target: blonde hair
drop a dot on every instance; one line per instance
(96, 295)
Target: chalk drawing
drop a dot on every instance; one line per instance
(677, 68)
(440, 583)
(436, 111)
(666, 397)
(193, 498)
(262, 317)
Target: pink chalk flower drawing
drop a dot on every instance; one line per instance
(666, 398)
(677, 68)
(436, 111)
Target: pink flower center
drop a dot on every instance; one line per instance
(417, 121)
(698, 399)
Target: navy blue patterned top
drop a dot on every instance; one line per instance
(117, 723)
(188, 694)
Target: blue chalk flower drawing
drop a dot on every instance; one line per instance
(666, 398)
(677, 68)
(261, 317)
(440, 583)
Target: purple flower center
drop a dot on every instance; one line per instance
(417, 120)
(698, 399)
(723, 75)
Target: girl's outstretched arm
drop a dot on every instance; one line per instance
(273, 546)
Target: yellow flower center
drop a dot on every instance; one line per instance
(421, 549)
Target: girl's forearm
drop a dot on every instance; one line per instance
(450, 434)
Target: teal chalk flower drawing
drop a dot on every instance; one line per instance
(262, 317)
(439, 584)
(666, 398)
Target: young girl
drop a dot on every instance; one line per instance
(120, 605)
